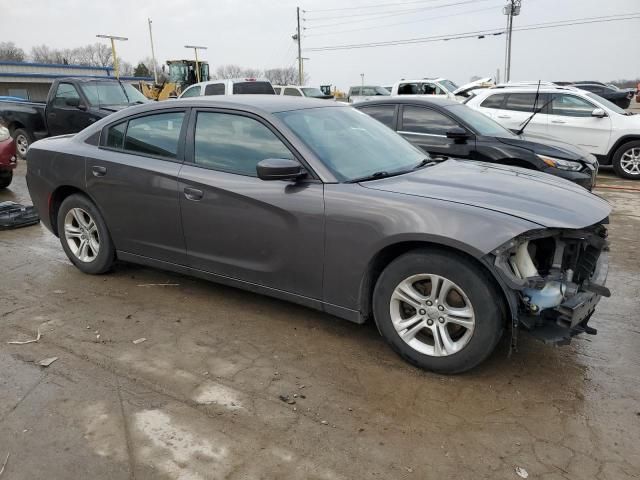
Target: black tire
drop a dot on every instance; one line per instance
(487, 306)
(105, 257)
(617, 160)
(5, 178)
(23, 139)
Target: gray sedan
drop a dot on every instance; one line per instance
(319, 204)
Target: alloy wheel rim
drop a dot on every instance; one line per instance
(22, 145)
(432, 315)
(630, 161)
(81, 234)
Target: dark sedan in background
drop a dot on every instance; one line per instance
(620, 96)
(317, 203)
(447, 128)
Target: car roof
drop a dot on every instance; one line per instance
(249, 103)
(416, 80)
(233, 80)
(409, 99)
(528, 89)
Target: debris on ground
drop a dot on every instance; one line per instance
(47, 361)
(4, 464)
(287, 399)
(24, 342)
(522, 473)
(14, 215)
(139, 340)
(409, 469)
(324, 422)
(59, 292)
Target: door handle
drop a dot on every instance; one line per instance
(98, 171)
(558, 121)
(504, 116)
(193, 194)
(52, 114)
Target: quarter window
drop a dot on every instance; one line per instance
(234, 144)
(571, 106)
(214, 89)
(425, 120)
(115, 136)
(64, 92)
(383, 113)
(293, 92)
(155, 134)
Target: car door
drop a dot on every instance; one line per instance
(66, 112)
(236, 225)
(518, 107)
(427, 129)
(571, 120)
(133, 178)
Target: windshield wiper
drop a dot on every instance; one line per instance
(429, 161)
(373, 176)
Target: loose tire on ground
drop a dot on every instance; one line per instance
(462, 284)
(84, 235)
(626, 160)
(5, 178)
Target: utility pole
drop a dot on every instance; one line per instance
(298, 37)
(511, 9)
(195, 50)
(116, 65)
(153, 54)
(361, 81)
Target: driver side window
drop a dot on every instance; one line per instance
(64, 91)
(571, 106)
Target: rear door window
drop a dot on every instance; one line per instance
(241, 88)
(493, 101)
(234, 143)
(156, 135)
(214, 89)
(191, 92)
(294, 92)
(383, 113)
(524, 102)
(426, 121)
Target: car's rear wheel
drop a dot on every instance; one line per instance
(23, 140)
(438, 310)
(84, 235)
(626, 160)
(5, 178)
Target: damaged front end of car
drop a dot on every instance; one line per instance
(556, 277)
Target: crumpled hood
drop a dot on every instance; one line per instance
(549, 146)
(537, 197)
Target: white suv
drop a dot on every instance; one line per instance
(230, 86)
(571, 115)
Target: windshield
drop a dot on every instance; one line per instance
(111, 93)
(312, 92)
(350, 143)
(606, 103)
(479, 122)
(448, 85)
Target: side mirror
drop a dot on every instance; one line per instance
(72, 102)
(457, 133)
(279, 169)
(599, 112)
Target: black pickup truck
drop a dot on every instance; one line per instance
(72, 104)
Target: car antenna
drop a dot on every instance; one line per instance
(535, 104)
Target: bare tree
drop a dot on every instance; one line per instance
(11, 53)
(284, 76)
(229, 71)
(126, 69)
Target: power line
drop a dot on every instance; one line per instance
(392, 13)
(406, 22)
(376, 5)
(481, 33)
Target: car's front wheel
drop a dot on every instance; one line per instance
(84, 235)
(23, 140)
(626, 160)
(438, 310)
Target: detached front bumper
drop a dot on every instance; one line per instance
(571, 317)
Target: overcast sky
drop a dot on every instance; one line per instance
(257, 33)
